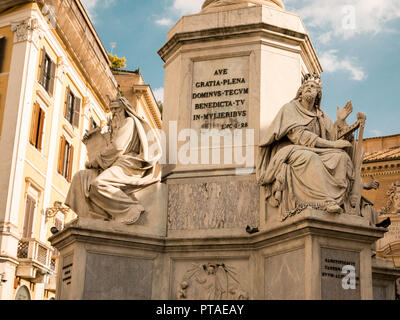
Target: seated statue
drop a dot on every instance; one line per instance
(302, 162)
(106, 189)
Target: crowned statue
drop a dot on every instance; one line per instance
(125, 164)
(306, 160)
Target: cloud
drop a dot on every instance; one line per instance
(187, 6)
(332, 63)
(176, 9)
(91, 7)
(164, 22)
(159, 94)
(346, 18)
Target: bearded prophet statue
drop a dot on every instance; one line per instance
(106, 189)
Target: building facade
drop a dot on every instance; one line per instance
(55, 84)
(54, 80)
(382, 162)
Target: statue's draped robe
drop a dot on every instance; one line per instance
(125, 167)
(291, 165)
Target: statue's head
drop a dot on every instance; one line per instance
(311, 89)
(119, 107)
(184, 284)
(210, 268)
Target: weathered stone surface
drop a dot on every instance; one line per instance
(114, 278)
(217, 205)
(379, 293)
(284, 276)
(332, 263)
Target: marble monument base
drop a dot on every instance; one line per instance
(313, 258)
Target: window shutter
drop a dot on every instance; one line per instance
(41, 127)
(42, 66)
(34, 124)
(77, 112)
(71, 160)
(29, 215)
(2, 51)
(61, 155)
(66, 103)
(52, 77)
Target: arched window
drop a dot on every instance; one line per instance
(23, 294)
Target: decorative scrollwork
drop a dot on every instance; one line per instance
(393, 204)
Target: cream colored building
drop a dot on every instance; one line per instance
(382, 161)
(54, 80)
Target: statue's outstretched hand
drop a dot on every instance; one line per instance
(341, 144)
(372, 185)
(345, 112)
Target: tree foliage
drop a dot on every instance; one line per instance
(117, 62)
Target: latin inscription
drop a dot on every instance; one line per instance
(66, 273)
(220, 94)
(340, 275)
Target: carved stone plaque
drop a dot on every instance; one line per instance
(213, 205)
(220, 94)
(117, 278)
(340, 275)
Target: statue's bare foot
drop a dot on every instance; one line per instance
(334, 208)
(133, 215)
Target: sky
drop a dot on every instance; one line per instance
(357, 42)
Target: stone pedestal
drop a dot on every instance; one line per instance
(301, 260)
(225, 69)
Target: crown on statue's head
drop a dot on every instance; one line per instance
(312, 77)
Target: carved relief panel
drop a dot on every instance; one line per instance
(211, 281)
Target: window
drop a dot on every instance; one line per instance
(65, 159)
(2, 51)
(93, 124)
(47, 72)
(37, 126)
(30, 206)
(72, 108)
(23, 294)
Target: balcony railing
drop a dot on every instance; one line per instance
(34, 251)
